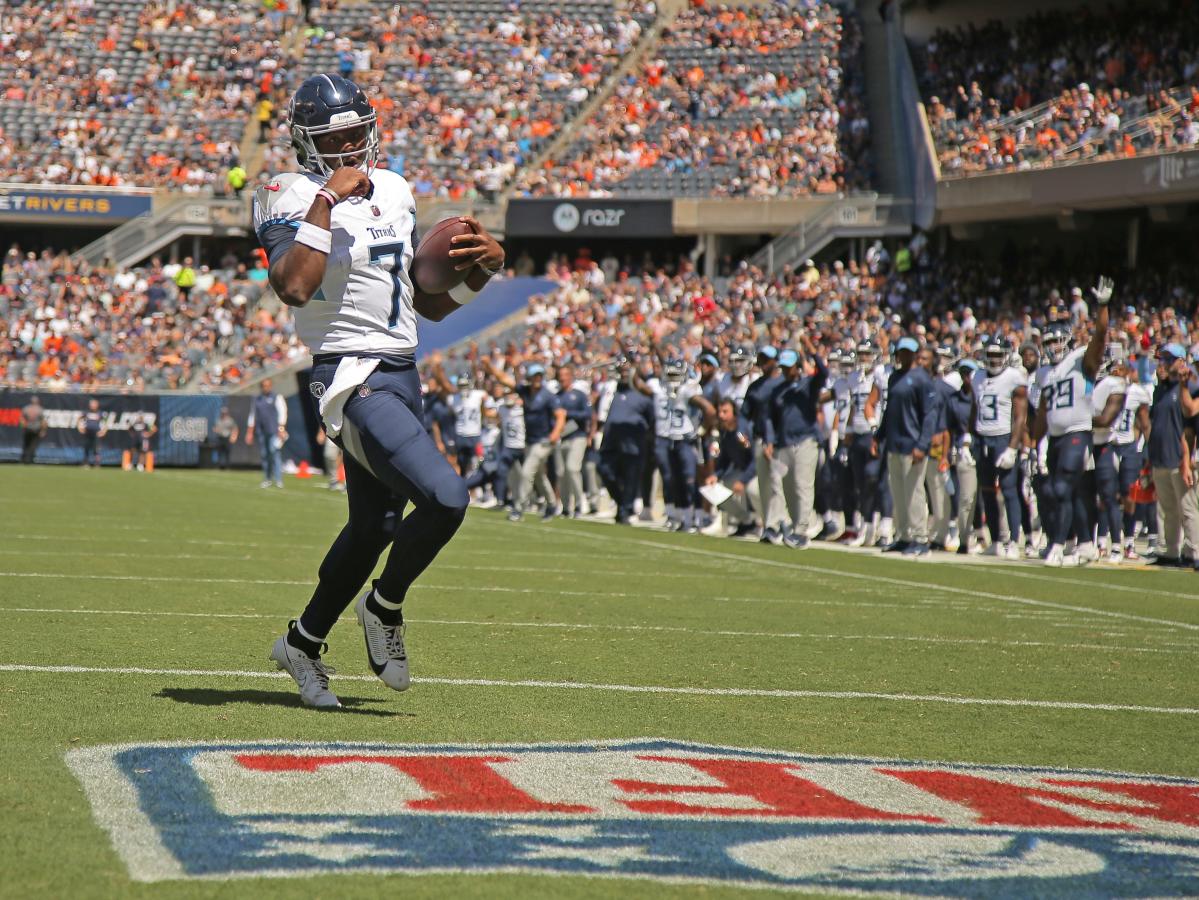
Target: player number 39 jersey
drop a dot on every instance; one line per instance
(364, 304)
(1066, 393)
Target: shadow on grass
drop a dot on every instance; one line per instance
(215, 697)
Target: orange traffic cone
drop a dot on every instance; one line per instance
(341, 472)
(302, 471)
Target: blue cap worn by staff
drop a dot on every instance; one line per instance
(768, 351)
(1176, 350)
(535, 369)
(908, 343)
(788, 358)
(709, 359)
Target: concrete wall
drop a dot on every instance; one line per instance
(921, 19)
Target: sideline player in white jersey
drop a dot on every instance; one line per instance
(674, 446)
(469, 405)
(1064, 413)
(340, 236)
(736, 381)
(1001, 412)
(843, 365)
(865, 469)
(1130, 431)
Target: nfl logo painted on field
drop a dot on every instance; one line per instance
(649, 809)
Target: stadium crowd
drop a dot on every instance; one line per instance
(101, 92)
(758, 101)
(67, 326)
(808, 396)
(465, 101)
(1063, 84)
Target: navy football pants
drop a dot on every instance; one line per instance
(390, 460)
(987, 450)
(1068, 487)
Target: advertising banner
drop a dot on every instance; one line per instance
(61, 440)
(608, 217)
(20, 204)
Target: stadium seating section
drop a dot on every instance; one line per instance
(756, 101)
(116, 92)
(69, 327)
(1063, 86)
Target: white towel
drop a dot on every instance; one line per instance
(351, 372)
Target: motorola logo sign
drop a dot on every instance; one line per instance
(566, 217)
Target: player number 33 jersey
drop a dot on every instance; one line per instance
(364, 304)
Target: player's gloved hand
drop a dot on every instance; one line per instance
(1007, 458)
(1103, 290)
(348, 181)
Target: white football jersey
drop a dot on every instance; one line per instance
(1112, 384)
(994, 399)
(860, 385)
(468, 409)
(735, 388)
(604, 395)
(1067, 395)
(364, 304)
(1124, 429)
(672, 412)
(842, 400)
(512, 426)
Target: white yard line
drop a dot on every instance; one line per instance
(672, 629)
(631, 689)
(902, 582)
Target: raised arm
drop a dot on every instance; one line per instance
(1093, 359)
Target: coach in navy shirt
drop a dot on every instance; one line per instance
(756, 408)
(630, 420)
(568, 457)
(1173, 404)
(733, 457)
(795, 454)
(543, 421)
(906, 433)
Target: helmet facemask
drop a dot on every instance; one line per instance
(364, 157)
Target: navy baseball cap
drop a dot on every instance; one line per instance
(709, 359)
(788, 358)
(768, 351)
(908, 343)
(535, 369)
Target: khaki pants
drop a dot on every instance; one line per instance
(906, 478)
(737, 509)
(967, 495)
(568, 457)
(938, 503)
(1178, 507)
(534, 475)
(771, 507)
(793, 477)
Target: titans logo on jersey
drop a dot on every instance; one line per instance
(364, 304)
(1066, 393)
(994, 393)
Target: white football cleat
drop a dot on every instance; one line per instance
(1011, 550)
(993, 550)
(384, 647)
(1087, 553)
(1055, 557)
(311, 675)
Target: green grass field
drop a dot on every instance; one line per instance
(190, 576)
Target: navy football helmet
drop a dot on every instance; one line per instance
(1056, 341)
(324, 104)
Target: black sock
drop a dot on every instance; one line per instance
(386, 616)
(297, 640)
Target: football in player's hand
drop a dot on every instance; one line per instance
(432, 266)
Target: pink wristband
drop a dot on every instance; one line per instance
(328, 195)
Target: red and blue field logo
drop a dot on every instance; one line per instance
(647, 809)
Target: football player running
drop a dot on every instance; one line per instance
(1001, 393)
(340, 236)
(1064, 413)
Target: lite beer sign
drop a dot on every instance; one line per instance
(649, 809)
